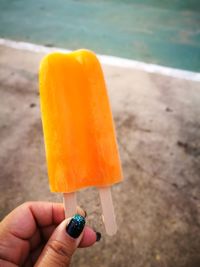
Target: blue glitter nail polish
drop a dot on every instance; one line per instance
(75, 226)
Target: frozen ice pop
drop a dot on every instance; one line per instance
(80, 142)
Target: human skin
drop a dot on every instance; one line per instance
(26, 230)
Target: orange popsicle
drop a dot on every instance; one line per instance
(80, 143)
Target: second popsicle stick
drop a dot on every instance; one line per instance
(70, 204)
(108, 210)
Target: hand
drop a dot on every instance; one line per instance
(36, 233)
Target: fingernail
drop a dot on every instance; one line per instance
(85, 213)
(75, 226)
(98, 236)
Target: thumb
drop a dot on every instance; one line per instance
(62, 244)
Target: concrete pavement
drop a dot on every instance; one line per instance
(158, 129)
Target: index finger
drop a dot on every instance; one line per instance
(23, 221)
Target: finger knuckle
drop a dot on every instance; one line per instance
(60, 250)
(26, 204)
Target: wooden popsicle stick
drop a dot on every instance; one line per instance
(70, 204)
(108, 210)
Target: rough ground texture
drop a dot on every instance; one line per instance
(158, 129)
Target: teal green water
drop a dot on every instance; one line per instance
(155, 31)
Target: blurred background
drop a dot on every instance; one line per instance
(161, 32)
(156, 109)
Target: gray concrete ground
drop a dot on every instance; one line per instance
(158, 129)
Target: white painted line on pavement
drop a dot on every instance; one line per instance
(110, 60)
